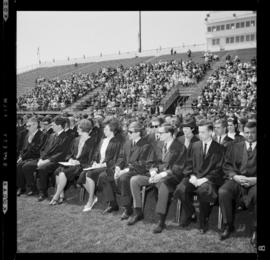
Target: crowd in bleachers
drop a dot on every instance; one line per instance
(56, 94)
(137, 87)
(232, 88)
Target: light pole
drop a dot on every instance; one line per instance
(140, 39)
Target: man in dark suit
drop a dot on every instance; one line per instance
(30, 151)
(166, 174)
(202, 176)
(136, 157)
(240, 168)
(220, 133)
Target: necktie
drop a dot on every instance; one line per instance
(249, 149)
(219, 141)
(164, 150)
(204, 150)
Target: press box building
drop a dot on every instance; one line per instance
(229, 30)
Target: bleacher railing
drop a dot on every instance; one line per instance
(125, 55)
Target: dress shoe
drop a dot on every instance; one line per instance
(126, 214)
(42, 197)
(204, 227)
(30, 193)
(20, 192)
(135, 219)
(188, 221)
(226, 233)
(253, 240)
(158, 229)
(110, 209)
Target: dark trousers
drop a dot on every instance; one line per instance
(106, 184)
(20, 181)
(231, 193)
(123, 184)
(206, 195)
(44, 174)
(25, 174)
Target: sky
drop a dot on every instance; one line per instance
(59, 35)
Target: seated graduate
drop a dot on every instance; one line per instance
(165, 176)
(240, 187)
(104, 160)
(136, 158)
(79, 157)
(203, 176)
(32, 144)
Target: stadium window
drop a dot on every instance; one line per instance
(242, 24)
(213, 41)
(232, 40)
(218, 28)
(213, 28)
(209, 29)
(242, 38)
(247, 23)
(222, 27)
(237, 39)
(247, 37)
(227, 40)
(217, 41)
(252, 23)
(237, 25)
(232, 26)
(252, 37)
(228, 26)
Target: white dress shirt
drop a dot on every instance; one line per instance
(103, 148)
(253, 145)
(208, 145)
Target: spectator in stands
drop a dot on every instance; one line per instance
(241, 184)
(166, 174)
(189, 53)
(103, 161)
(30, 151)
(202, 176)
(80, 156)
(136, 158)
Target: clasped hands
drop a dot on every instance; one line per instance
(245, 181)
(197, 182)
(118, 172)
(156, 177)
(41, 163)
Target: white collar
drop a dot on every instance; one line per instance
(168, 144)
(208, 143)
(59, 132)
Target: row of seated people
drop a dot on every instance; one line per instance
(215, 167)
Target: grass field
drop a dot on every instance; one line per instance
(65, 228)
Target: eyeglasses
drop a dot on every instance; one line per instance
(154, 126)
(27, 126)
(130, 132)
